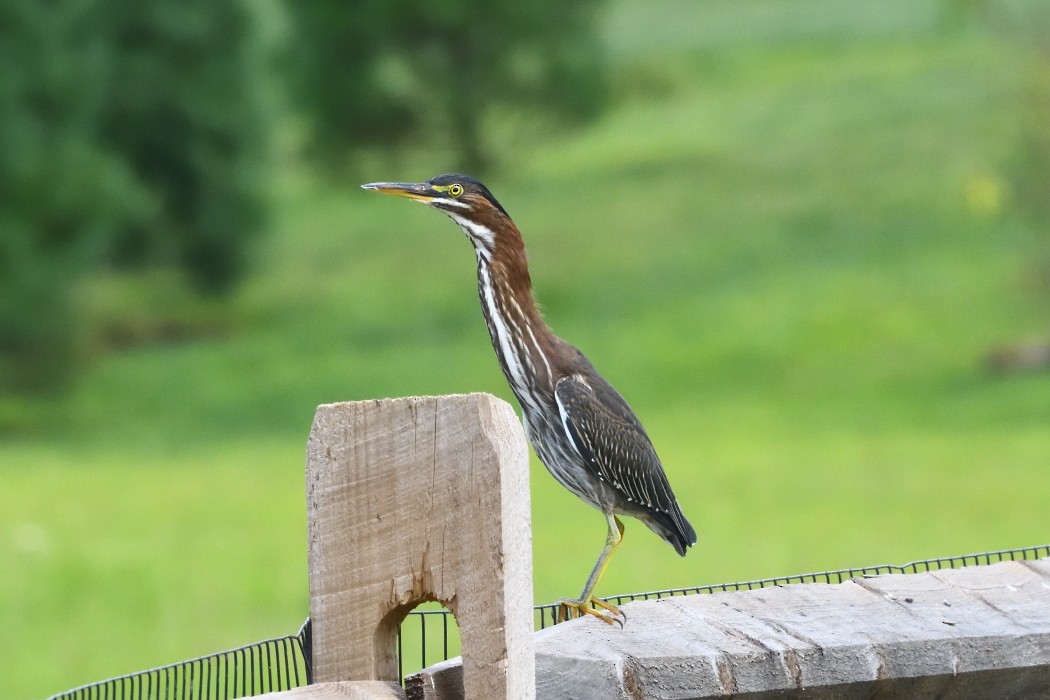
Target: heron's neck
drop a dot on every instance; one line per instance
(523, 341)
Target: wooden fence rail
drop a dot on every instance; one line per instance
(976, 632)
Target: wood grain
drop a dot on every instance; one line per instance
(341, 690)
(975, 632)
(413, 500)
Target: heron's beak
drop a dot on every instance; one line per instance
(421, 192)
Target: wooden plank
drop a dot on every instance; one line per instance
(974, 632)
(419, 499)
(341, 690)
(445, 683)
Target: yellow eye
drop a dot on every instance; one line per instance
(455, 190)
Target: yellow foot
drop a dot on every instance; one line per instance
(583, 607)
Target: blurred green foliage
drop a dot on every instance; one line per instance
(63, 194)
(131, 133)
(185, 110)
(1030, 171)
(1025, 23)
(136, 132)
(375, 75)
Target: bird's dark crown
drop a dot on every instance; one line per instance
(470, 186)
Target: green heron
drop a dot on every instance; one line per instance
(581, 428)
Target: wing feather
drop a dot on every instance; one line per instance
(612, 443)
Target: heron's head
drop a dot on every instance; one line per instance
(467, 201)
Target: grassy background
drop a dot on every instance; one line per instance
(789, 245)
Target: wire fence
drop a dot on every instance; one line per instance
(425, 637)
(274, 664)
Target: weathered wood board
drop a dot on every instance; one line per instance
(341, 690)
(976, 632)
(412, 500)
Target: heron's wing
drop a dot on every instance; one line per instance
(609, 437)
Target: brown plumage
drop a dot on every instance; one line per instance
(581, 428)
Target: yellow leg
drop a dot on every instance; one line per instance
(583, 604)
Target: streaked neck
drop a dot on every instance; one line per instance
(521, 338)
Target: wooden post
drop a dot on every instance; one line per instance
(413, 500)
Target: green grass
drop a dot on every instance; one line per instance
(766, 245)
